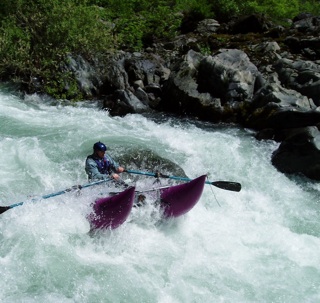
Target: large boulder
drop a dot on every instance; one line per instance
(229, 75)
(123, 102)
(299, 152)
(181, 94)
(211, 87)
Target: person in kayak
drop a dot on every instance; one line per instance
(100, 166)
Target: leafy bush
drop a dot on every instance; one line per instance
(278, 9)
(281, 9)
(37, 36)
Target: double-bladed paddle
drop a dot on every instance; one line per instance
(5, 208)
(227, 185)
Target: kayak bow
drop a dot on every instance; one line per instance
(179, 199)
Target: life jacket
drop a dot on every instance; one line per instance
(104, 165)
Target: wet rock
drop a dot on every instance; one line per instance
(299, 153)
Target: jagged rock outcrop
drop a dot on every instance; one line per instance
(181, 94)
(137, 81)
(300, 75)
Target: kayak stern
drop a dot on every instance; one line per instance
(112, 211)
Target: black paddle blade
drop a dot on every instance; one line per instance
(233, 186)
(3, 209)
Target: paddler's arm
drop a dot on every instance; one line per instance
(115, 167)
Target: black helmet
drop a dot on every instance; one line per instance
(98, 146)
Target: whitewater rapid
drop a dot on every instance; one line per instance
(259, 245)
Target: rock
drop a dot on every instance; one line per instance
(136, 158)
(229, 75)
(207, 26)
(299, 153)
(300, 75)
(250, 24)
(123, 102)
(181, 94)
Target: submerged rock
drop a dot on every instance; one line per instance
(148, 161)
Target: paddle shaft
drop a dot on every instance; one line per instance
(227, 185)
(5, 208)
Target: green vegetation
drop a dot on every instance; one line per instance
(37, 36)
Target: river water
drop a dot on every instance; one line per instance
(259, 245)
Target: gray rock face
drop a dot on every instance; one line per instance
(229, 75)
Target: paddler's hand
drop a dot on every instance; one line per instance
(120, 169)
(115, 176)
(119, 180)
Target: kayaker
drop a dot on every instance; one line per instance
(100, 166)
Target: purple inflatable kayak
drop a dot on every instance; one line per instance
(179, 199)
(112, 211)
